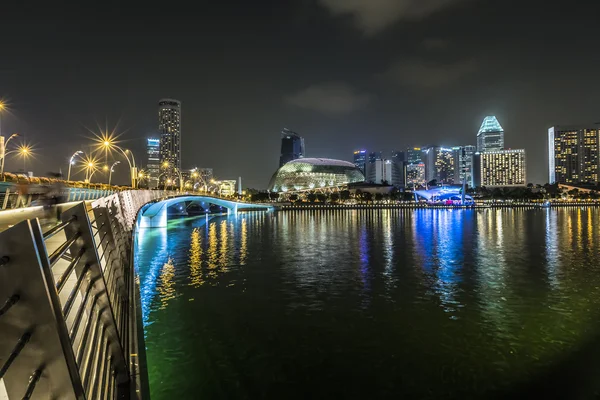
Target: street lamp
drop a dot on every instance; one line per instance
(90, 166)
(14, 135)
(108, 144)
(111, 171)
(71, 162)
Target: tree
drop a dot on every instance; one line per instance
(345, 195)
(432, 182)
(311, 197)
(335, 197)
(321, 197)
(378, 196)
(367, 196)
(293, 197)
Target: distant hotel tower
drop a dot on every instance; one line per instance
(504, 168)
(490, 136)
(169, 127)
(574, 154)
(292, 147)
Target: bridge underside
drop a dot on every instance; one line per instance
(156, 216)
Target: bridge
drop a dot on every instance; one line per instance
(155, 215)
(70, 309)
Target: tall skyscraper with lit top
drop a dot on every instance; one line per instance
(490, 136)
(360, 160)
(169, 127)
(292, 147)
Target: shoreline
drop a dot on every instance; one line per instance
(429, 207)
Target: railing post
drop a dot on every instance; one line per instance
(109, 318)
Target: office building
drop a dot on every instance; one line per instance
(573, 154)
(153, 161)
(292, 147)
(380, 172)
(463, 160)
(439, 164)
(413, 155)
(169, 127)
(398, 168)
(415, 175)
(490, 136)
(360, 160)
(504, 168)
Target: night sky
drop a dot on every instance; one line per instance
(345, 74)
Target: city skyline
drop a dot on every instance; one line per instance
(410, 80)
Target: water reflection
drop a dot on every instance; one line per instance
(420, 303)
(195, 261)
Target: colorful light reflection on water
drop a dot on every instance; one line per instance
(371, 304)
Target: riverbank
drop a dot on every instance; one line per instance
(408, 205)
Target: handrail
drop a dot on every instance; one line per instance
(62, 249)
(15, 353)
(54, 230)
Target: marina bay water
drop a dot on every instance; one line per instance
(372, 304)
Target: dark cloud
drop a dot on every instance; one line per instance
(422, 74)
(333, 98)
(372, 16)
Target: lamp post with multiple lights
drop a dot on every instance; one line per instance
(109, 144)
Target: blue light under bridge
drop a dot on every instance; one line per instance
(155, 215)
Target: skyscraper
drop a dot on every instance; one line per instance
(415, 175)
(463, 159)
(292, 146)
(439, 164)
(380, 172)
(371, 167)
(360, 160)
(153, 161)
(501, 168)
(413, 155)
(574, 154)
(169, 127)
(490, 136)
(398, 168)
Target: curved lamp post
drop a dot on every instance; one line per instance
(112, 167)
(4, 153)
(126, 153)
(72, 161)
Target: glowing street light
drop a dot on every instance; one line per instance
(14, 135)
(111, 170)
(72, 162)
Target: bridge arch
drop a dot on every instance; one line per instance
(155, 215)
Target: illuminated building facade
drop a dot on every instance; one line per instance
(439, 164)
(306, 174)
(413, 155)
(463, 160)
(490, 136)
(153, 161)
(169, 127)
(573, 154)
(292, 147)
(360, 160)
(381, 172)
(415, 175)
(501, 168)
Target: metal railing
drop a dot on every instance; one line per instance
(69, 304)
